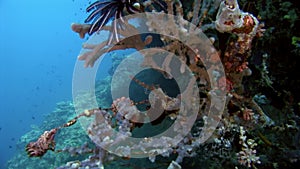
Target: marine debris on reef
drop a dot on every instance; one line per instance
(236, 141)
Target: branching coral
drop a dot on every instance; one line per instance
(181, 38)
(99, 49)
(247, 156)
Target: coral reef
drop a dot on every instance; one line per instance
(247, 131)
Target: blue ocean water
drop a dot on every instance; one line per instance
(38, 51)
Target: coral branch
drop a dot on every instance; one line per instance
(81, 29)
(97, 50)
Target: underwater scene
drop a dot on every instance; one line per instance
(150, 84)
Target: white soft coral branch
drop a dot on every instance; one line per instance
(132, 39)
(91, 56)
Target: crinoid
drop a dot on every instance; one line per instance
(110, 10)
